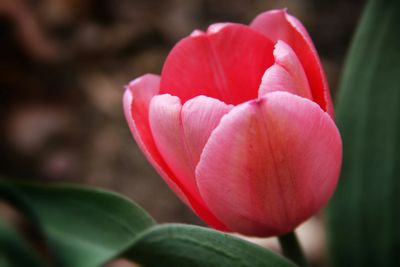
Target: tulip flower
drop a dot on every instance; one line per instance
(240, 125)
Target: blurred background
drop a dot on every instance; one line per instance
(64, 64)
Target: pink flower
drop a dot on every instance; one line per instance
(240, 125)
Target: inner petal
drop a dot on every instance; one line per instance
(181, 131)
(227, 63)
(287, 74)
(278, 25)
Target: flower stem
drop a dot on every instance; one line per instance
(291, 249)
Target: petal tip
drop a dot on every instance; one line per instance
(217, 27)
(140, 79)
(273, 12)
(196, 33)
(281, 49)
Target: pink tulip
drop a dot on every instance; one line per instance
(240, 125)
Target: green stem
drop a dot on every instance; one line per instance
(291, 249)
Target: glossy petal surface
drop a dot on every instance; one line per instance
(287, 74)
(278, 25)
(136, 102)
(226, 63)
(180, 132)
(270, 164)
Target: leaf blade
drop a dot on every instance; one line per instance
(83, 227)
(185, 245)
(363, 215)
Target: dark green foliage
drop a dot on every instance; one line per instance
(185, 245)
(14, 251)
(83, 227)
(86, 227)
(365, 211)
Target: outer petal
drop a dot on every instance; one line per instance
(287, 74)
(278, 25)
(270, 164)
(136, 108)
(136, 102)
(180, 134)
(225, 63)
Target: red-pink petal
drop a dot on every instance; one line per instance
(226, 63)
(136, 108)
(276, 78)
(165, 125)
(287, 74)
(270, 164)
(180, 133)
(278, 25)
(136, 102)
(200, 116)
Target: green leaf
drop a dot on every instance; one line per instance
(365, 211)
(83, 227)
(184, 245)
(14, 251)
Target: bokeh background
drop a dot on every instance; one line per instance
(64, 64)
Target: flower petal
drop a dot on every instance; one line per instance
(165, 124)
(180, 134)
(200, 116)
(136, 102)
(270, 164)
(226, 63)
(287, 74)
(278, 25)
(276, 78)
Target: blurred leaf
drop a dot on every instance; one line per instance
(83, 227)
(14, 251)
(185, 245)
(365, 211)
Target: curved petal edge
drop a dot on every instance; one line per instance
(270, 164)
(279, 25)
(136, 101)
